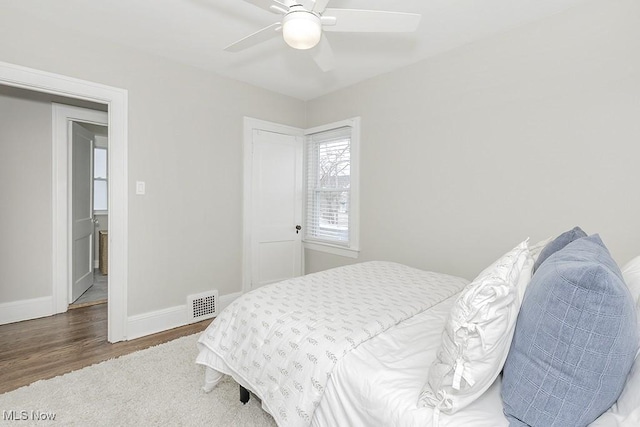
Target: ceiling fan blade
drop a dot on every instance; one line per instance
(258, 37)
(323, 55)
(273, 6)
(307, 4)
(371, 21)
(320, 6)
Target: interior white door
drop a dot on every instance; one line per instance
(276, 244)
(82, 225)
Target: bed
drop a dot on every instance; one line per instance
(356, 346)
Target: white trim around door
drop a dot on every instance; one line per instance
(117, 103)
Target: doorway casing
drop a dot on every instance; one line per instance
(116, 100)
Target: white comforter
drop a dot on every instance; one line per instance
(284, 340)
(378, 384)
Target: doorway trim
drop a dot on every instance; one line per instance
(249, 124)
(116, 100)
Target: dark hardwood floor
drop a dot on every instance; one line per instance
(51, 346)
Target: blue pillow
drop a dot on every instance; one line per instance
(575, 340)
(558, 243)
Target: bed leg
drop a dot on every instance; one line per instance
(244, 395)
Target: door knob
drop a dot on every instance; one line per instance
(298, 228)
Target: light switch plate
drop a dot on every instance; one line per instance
(140, 187)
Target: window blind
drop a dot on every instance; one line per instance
(329, 186)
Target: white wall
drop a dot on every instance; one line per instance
(25, 197)
(527, 133)
(185, 141)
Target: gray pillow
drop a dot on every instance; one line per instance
(575, 340)
(558, 243)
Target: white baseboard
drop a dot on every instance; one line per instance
(28, 309)
(153, 322)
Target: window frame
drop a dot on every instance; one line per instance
(352, 250)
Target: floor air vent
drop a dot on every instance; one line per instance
(202, 306)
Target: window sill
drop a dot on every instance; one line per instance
(332, 249)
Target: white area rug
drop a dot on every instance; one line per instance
(157, 386)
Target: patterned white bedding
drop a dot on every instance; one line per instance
(378, 383)
(282, 341)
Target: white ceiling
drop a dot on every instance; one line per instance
(196, 31)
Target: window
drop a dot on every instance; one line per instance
(100, 193)
(331, 209)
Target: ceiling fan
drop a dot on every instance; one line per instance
(304, 22)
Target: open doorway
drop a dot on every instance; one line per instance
(80, 139)
(50, 259)
(89, 144)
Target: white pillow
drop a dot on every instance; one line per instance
(477, 334)
(525, 277)
(631, 275)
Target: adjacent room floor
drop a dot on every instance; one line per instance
(96, 294)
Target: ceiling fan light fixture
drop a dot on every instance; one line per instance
(301, 29)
